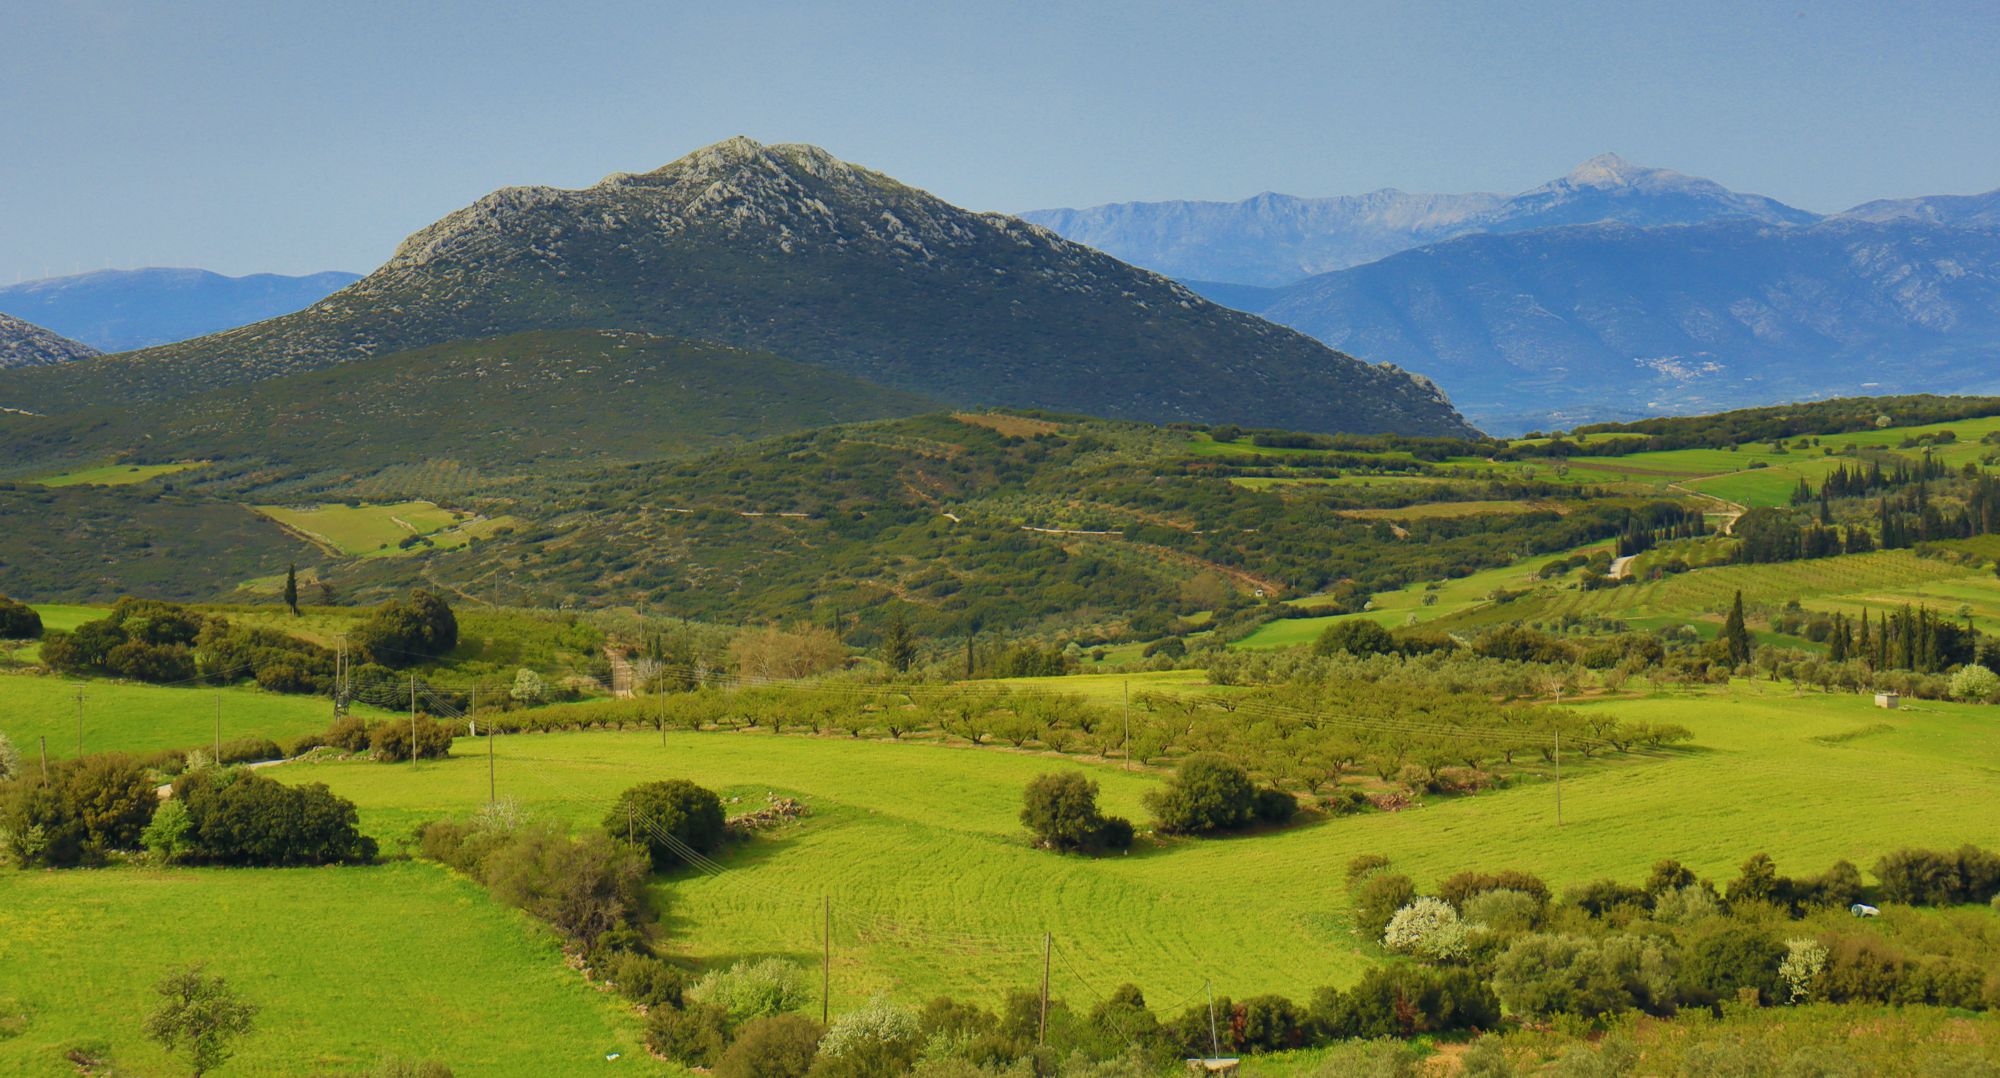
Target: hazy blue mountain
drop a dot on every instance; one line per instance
(119, 310)
(1611, 321)
(24, 344)
(1275, 239)
(788, 250)
(1964, 211)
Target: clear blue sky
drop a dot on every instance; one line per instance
(290, 136)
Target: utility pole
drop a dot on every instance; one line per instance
(79, 720)
(630, 839)
(1125, 746)
(1559, 776)
(1042, 1030)
(1214, 1042)
(45, 759)
(826, 962)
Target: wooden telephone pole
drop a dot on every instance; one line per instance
(1042, 1029)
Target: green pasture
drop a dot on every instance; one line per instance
(1710, 590)
(364, 530)
(1445, 510)
(935, 889)
(115, 475)
(349, 966)
(124, 717)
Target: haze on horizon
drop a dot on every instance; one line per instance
(242, 138)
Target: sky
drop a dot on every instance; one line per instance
(285, 136)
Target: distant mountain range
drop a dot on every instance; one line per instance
(119, 310)
(1616, 292)
(1275, 239)
(788, 251)
(24, 344)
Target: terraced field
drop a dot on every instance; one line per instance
(364, 530)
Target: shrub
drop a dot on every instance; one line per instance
(1549, 975)
(1428, 928)
(1361, 866)
(877, 1034)
(694, 1036)
(1061, 811)
(1863, 969)
(241, 818)
(646, 980)
(349, 733)
(668, 819)
(1405, 1000)
(1935, 878)
(1355, 636)
(390, 740)
(780, 1046)
(1274, 806)
(169, 836)
(1601, 897)
(1976, 683)
(1505, 911)
(755, 989)
(1685, 905)
(584, 886)
(1727, 957)
(250, 750)
(10, 760)
(1206, 794)
(1458, 888)
(399, 633)
(88, 807)
(18, 621)
(1378, 898)
(1800, 972)
(1269, 1024)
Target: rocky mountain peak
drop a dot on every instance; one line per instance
(24, 344)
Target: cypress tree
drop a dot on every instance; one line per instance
(1735, 635)
(292, 589)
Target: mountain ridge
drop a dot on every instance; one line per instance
(24, 344)
(1273, 240)
(788, 250)
(120, 310)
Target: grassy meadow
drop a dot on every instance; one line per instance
(137, 718)
(115, 475)
(364, 530)
(351, 966)
(935, 887)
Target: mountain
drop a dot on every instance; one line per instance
(1963, 211)
(24, 344)
(1614, 322)
(1274, 239)
(119, 310)
(784, 249)
(495, 406)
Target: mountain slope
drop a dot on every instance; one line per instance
(24, 344)
(1275, 239)
(1609, 321)
(1963, 211)
(787, 250)
(498, 405)
(118, 310)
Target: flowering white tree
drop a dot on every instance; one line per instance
(1428, 928)
(1805, 961)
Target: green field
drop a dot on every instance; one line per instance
(364, 530)
(143, 718)
(116, 475)
(349, 965)
(935, 888)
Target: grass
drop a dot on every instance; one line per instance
(935, 889)
(144, 718)
(364, 530)
(349, 966)
(1711, 590)
(1446, 510)
(116, 475)
(1111, 687)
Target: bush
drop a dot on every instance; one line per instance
(1430, 929)
(1728, 957)
(10, 760)
(1378, 898)
(1503, 911)
(1355, 636)
(1206, 794)
(398, 634)
(1274, 806)
(586, 887)
(1935, 878)
(1863, 969)
(878, 1038)
(1403, 1001)
(1459, 888)
(1976, 683)
(241, 818)
(87, 808)
(646, 980)
(1061, 811)
(1545, 976)
(781, 1046)
(667, 819)
(18, 621)
(349, 733)
(755, 989)
(694, 1036)
(389, 741)
(246, 750)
